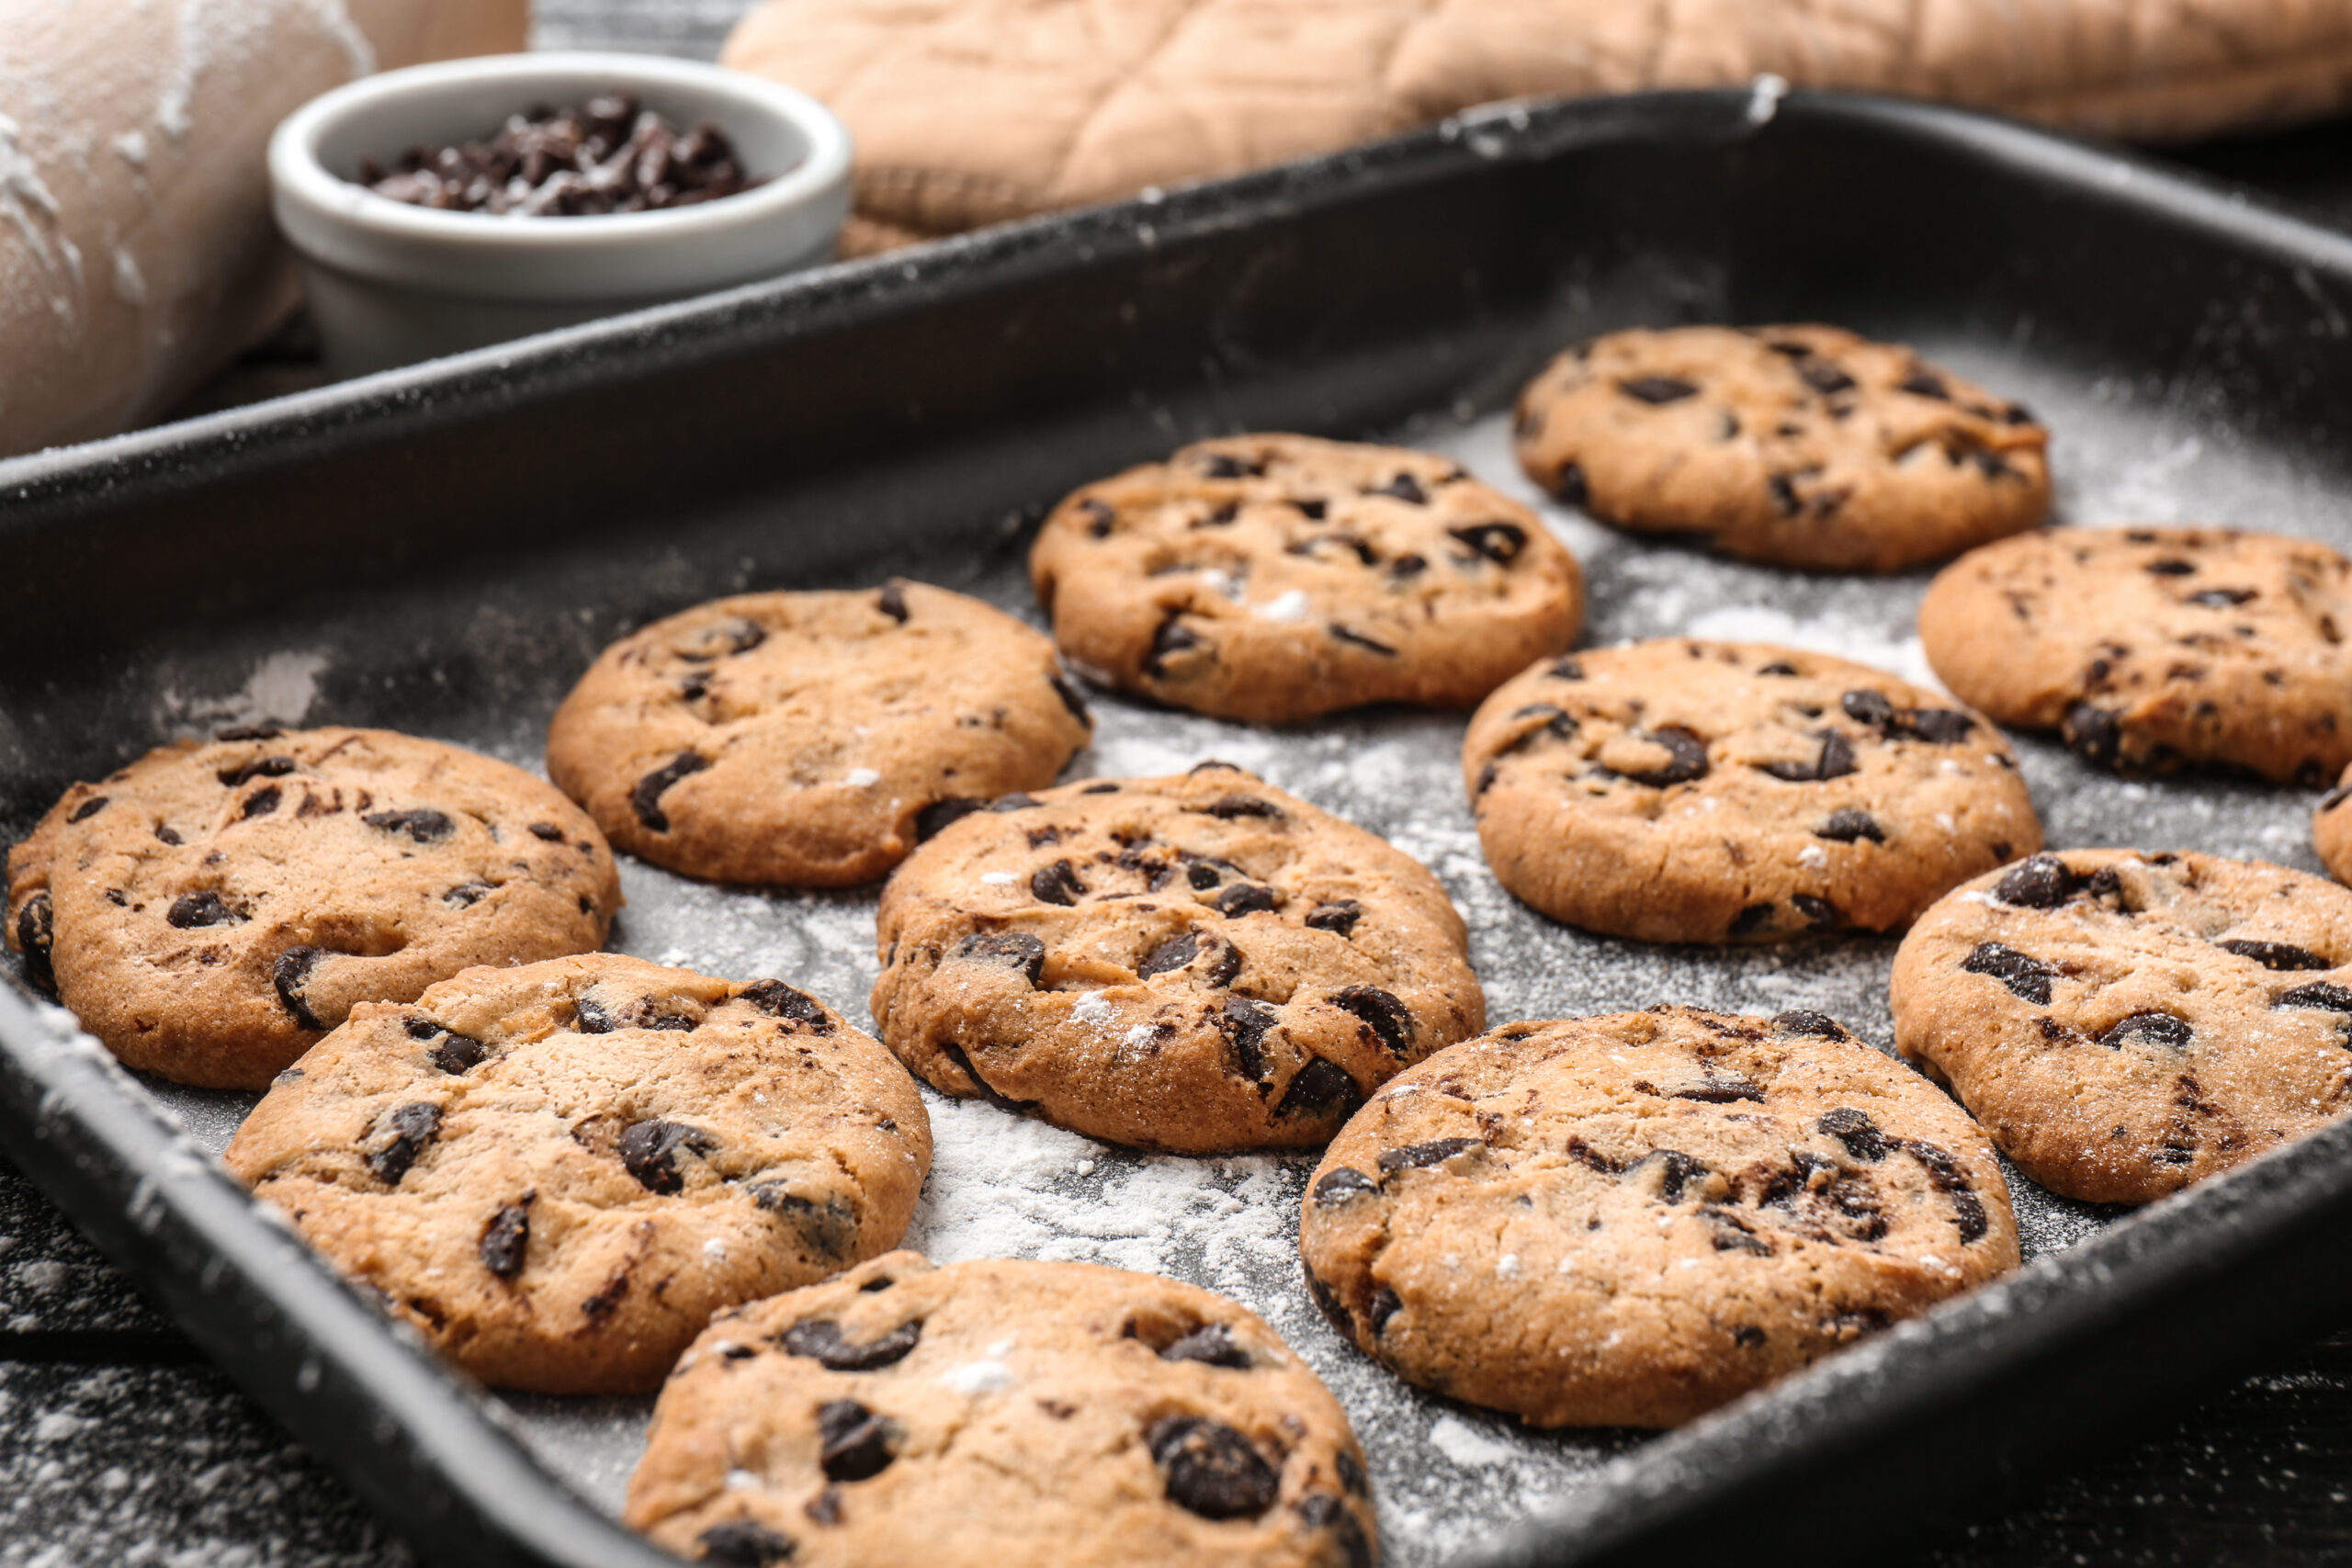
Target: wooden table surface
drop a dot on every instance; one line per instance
(120, 1446)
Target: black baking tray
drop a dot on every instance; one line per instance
(937, 402)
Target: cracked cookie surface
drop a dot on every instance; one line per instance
(1275, 578)
(997, 1412)
(210, 910)
(1688, 791)
(556, 1173)
(2124, 1024)
(1198, 963)
(1629, 1220)
(811, 738)
(1799, 446)
(2151, 647)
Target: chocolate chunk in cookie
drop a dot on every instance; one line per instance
(1630, 1219)
(2147, 648)
(811, 740)
(2126, 1023)
(1277, 578)
(1800, 446)
(1686, 791)
(1042, 1412)
(1196, 963)
(212, 910)
(556, 1173)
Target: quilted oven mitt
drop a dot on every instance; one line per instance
(969, 112)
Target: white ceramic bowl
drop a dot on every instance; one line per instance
(391, 283)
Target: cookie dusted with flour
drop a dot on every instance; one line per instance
(556, 1173)
(1198, 963)
(997, 1412)
(1627, 1220)
(1685, 791)
(1274, 578)
(1799, 446)
(210, 911)
(811, 739)
(2124, 1024)
(2151, 647)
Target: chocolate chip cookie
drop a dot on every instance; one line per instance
(992, 1413)
(1198, 963)
(2151, 647)
(2332, 829)
(811, 739)
(1627, 1220)
(1684, 791)
(1799, 446)
(1274, 578)
(2126, 1023)
(556, 1173)
(210, 911)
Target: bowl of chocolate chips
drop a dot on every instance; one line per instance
(453, 206)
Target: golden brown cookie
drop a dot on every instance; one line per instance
(210, 911)
(1197, 963)
(811, 739)
(2126, 1023)
(1627, 1220)
(1800, 446)
(556, 1173)
(1686, 791)
(994, 1413)
(2149, 648)
(1274, 578)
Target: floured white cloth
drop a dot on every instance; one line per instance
(973, 111)
(137, 252)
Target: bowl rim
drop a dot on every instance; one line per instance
(300, 176)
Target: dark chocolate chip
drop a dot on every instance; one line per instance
(1312, 511)
(1321, 1511)
(1105, 787)
(168, 836)
(1819, 913)
(1407, 566)
(819, 1339)
(1211, 1345)
(2156, 1027)
(88, 808)
(1657, 390)
(1343, 1185)
(1778, 666)
(2318, 994)
(396, 1138)
(829, 1224)
(1169, 955)
(1937, 727)
(1565, 669)
(892, 602)
(2172, 567)
(1824, 377)
(1719, 1088)
(1857, 1131)
(1783, 491)
(1338, 917)
(36, 932)
(259, 768)
(467, 896)
(1219, 466)
(1067, 688)
(193, 910)
(1201, 876)
(1405, 488)
(290, 975)
(424, 826)
(1945, 1175)
(261, 802)
(457, 1053)
(589, 1017)
(1098, 518)
(1211, 1470)
(248, 732)
(1246, 899)
(1849, 826)
(932, 819)
(1833, 761)
(1383, 1306)
(1228, 807)
(1359, 640)
(1415, 1157)
(2029, 978)
(2277, 954)
(856, 1443)
(649, 1150)
(504, 1241)
(1677, 1170)
(777, 999)
(1868, 707)
(1056, 883)
(743, 1543)
(2041, 882)
(1751, 920)
(1687, 757)
(1010, 950)
(1804, 1020)
(647, 796)
(2093, 734)
(1499, 542)
(1172, 638)
(2222, 598)
(1381, 1012)
(1926, 384)
(1320, 1089)
(1244, 1024)
(1570, 485)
